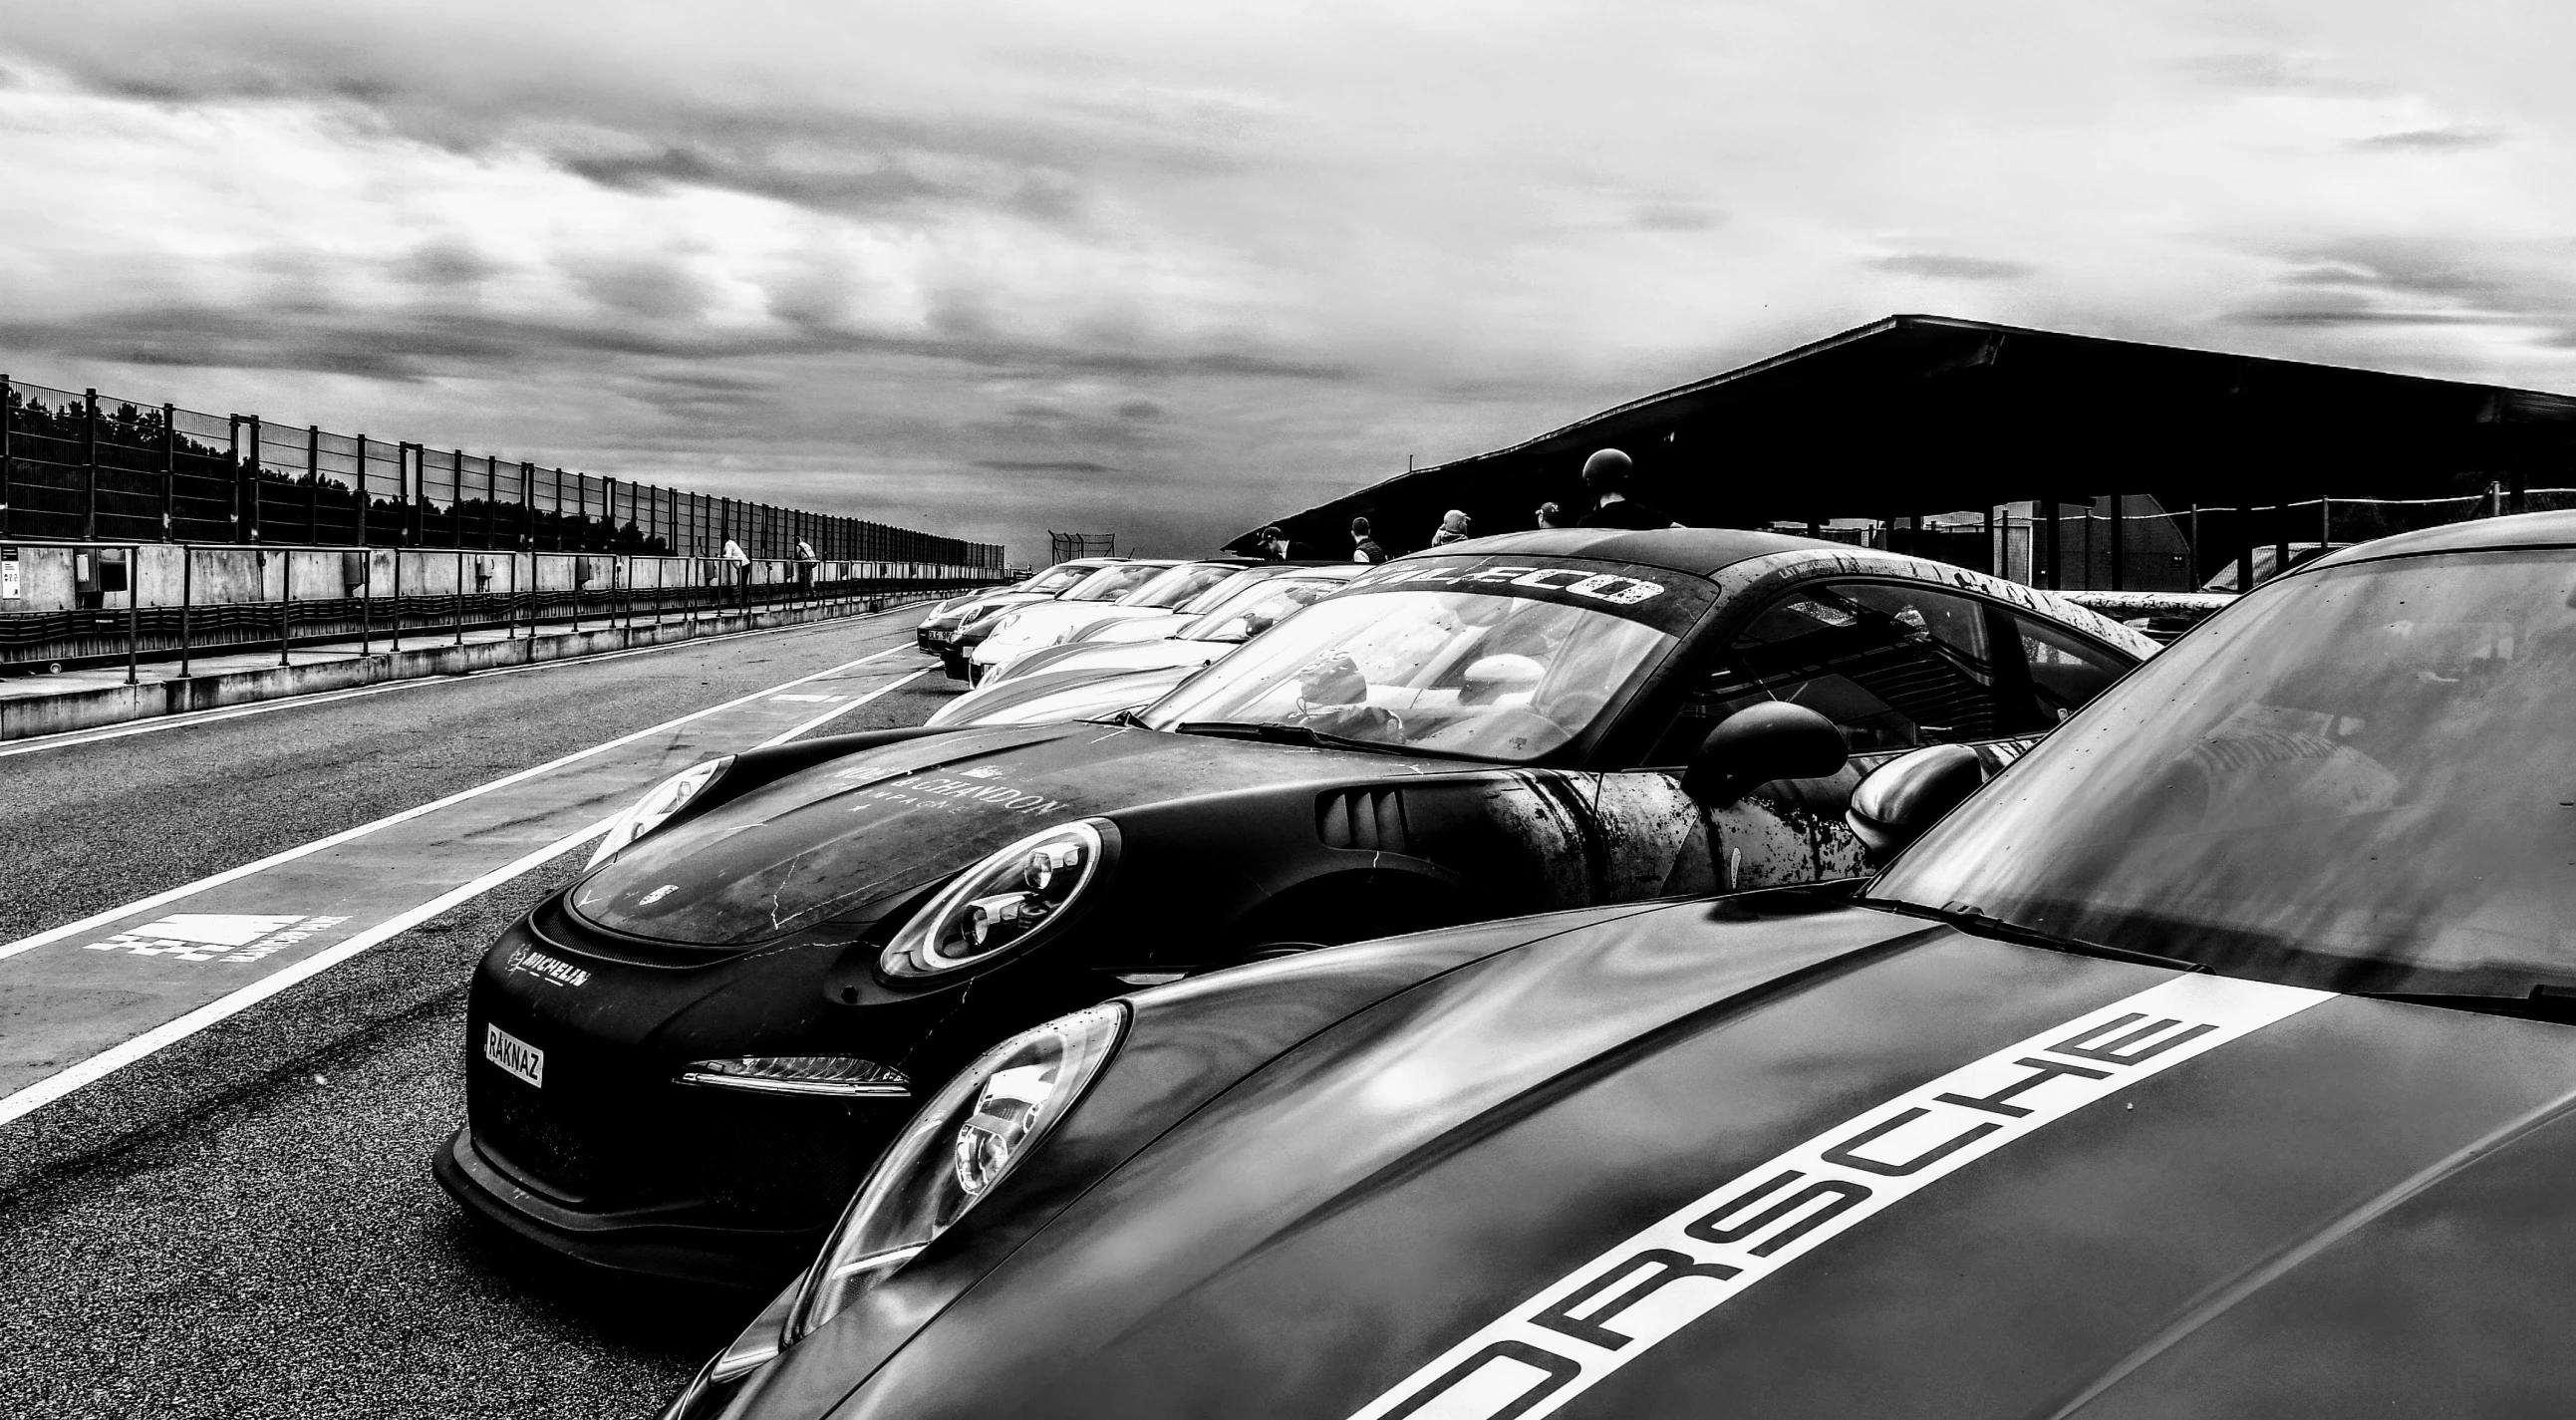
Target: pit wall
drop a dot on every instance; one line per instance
(29, 716)
(219, 576)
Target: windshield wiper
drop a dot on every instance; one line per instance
(1127, 716)
(1976, 922)
(1306, 735)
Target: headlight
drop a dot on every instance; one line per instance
(1004, 902)
(1003, 626)
(953, 1153)
(656, 807)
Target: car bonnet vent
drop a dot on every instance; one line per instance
(1371, 820)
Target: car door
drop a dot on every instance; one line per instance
(1896, 665)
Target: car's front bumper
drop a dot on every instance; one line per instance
(655, 1241)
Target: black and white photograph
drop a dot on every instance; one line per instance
(1129, 711)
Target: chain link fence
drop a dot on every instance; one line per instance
(1064, 547)
(76, 465)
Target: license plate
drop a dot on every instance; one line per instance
(514, 1055)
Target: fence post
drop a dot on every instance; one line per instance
(361, 481)
(8, 402)
(366, 590)
(2049, 522)
(250, 481)
(285, 605)
(169, 473)
(394, 647)
(133, 607)
(187, 595)
(2119, 543)
(313, 484)
(460, 576)
(89, 465)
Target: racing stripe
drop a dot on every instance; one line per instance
(1616, 1307)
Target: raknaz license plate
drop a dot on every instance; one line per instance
(514, 1055)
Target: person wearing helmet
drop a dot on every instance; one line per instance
(1332, 697)
(1607, 474)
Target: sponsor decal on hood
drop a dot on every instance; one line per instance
(1621, 1304)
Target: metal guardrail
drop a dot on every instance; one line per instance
(595, 590)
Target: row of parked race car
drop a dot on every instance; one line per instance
(1022, 1049)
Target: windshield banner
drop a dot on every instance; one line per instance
(1666, 600)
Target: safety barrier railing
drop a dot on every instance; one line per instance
(135, 602)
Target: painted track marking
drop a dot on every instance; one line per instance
(55, 934)
(222, 713)
(96, 1067)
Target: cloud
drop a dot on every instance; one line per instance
(2430, 140)
(1169, 270)
(1953, 268)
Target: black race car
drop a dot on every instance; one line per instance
(683, 1063)
(2217, 1059)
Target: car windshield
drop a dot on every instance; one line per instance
(1055, 579)
(1217, 594)
(1258, 608)
(1110, 583)
(1179, 584)
(2361, 779)
(1446, 656)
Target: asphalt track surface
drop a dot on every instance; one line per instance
(243, 1222)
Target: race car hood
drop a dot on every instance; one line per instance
(837, 840)
(1842, 1164)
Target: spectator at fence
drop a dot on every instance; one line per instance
(1607, 475)
(1453, 528)
(1550, 516)
(741, 561)
(805, 560)
(1364, 548)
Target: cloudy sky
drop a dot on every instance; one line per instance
(1164, 269)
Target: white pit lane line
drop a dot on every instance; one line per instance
(155, 969)
(190, 719)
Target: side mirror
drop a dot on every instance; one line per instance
(1910, 793)
(1760, 743)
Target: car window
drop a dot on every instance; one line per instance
(1894, 666)
(1249, 617)
(1111, 583)
(2065, 669)
(1178, 584)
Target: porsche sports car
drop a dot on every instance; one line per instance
(1028, 628)
(940, 626)
(1102, 587)
(1155, 628)
(682, 1062)
(2219, 1058)
(1088, 680)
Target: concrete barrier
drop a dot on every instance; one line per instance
(25, 717)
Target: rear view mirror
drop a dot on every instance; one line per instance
(1909, 794)
(1758, 744)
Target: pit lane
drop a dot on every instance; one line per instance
(242, 1222)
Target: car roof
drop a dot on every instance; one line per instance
(2520, 530)
(1700, 551)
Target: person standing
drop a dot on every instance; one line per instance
(740, 561)
(805, 560)
(1550, 516)
(1274, 544)
(1607, 475)
(1364, 548)
(1453, 528)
